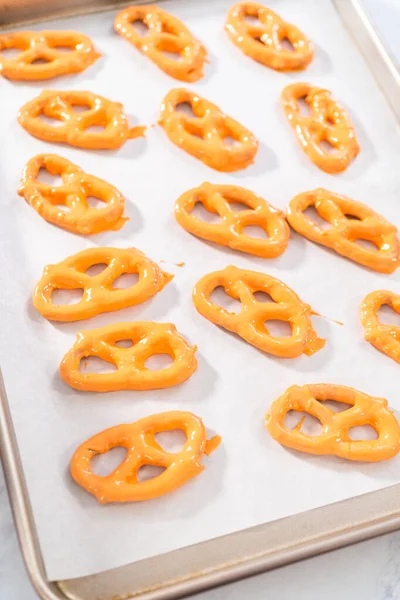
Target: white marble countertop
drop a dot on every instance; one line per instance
(367, 571)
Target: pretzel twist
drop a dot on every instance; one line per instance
(42, 46)
(262, 41)
(138, 438)
(251, 323)
(335, 439)
(217, 199)
(99, 295)
(73, 194)
(203, 136)
(73, 128)
(165, 33)
(327, 122)
(147, 339)
(350, 221)
(385, 338)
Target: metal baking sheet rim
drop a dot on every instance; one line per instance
(251, 551)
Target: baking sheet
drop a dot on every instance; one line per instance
(250, 479)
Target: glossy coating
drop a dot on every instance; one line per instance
(251, 323)
(98, 112)
(166, 33)
(350, 221)
(327, 122)
(147, 339)
(46, 47)
(334, 438)
(138, 438)
(218, 199)
(385, 338)
(73, 193)
(99, 295)
(203, 136)
(262, 41)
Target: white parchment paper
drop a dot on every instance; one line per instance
(250, 479)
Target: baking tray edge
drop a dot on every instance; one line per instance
(238, 555)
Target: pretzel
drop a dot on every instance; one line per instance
(203, 136)
(165, 33)
(147, 339)
(122, 485)
(334, 438)
(350, 221)
(73, 194)
(60, 105)
(42, 46)
(99, 296)
(217, 199)
(262, 41)
(251, 323)
(385, 338)
(327, 122)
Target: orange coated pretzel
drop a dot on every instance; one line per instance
(262, 41)
(334, 438)
(327, 122)
(251, 323)
(72, 194)
(385, 338)
(147, 339)
(165, 33)
(350, 221)
(99, 296)
(42, 46)
(72, 130)
(122, 485)
(203, 136)
(217, 199)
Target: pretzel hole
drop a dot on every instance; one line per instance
(220, 297)
(327, 147)
(362, 432)
(278, 328)
(186, 109)
(171, 441)
(230, 141)
(352, 217)
(81, 108)
(237, 206)
(303, 106)
(388, 316)
(124, 343)
(53, 121)
(62, 208)
(286, 44)
(140, 27)
(310, 425)
(313, 215)
(146, 472)
(104, 464)
(367, 244)
(40, 61)
(336, 406)
(62, 297)
(251, 19)
(158, 362)
(263, 297)
(94, 202)
(202, 213)
(330, 120)
(95, 364)
(94, 270)
(95, 129)
(11, 53)
(125, 281)
(255, 231)
(44, 176)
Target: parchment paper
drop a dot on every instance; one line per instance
(250, 479)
